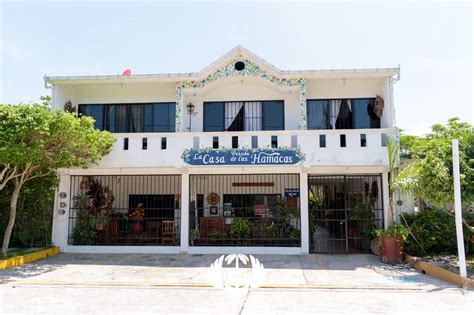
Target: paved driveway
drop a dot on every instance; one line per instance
(281, 271)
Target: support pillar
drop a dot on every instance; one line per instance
(184, 232)
(61, 214)
(304, 213)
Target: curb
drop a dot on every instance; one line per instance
(439, 273)
(195, 285)
(23, 259)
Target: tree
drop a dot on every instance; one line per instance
(433, 166)
(36, 141)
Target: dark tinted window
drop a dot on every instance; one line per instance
(254, 142)
(322, 141)
(318, 114)
(164, 117)
(363, 115)
(363, 140)
(94, 111)
(163, 143)
(125, 143)
(342, 141)
(273, 115)
(215, 142)
(214, 117)
(274, 141)
(159, 117)
(235, 142)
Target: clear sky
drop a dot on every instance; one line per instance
(432, 42)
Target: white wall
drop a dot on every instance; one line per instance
(229, 89)
(242, 90)
(114, 93)
(332, 155)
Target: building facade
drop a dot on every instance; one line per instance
(240, 157)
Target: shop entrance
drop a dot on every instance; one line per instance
(244, 210)
(344, 211)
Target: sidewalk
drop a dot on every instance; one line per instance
(281, 271)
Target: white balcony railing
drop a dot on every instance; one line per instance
(374, 153)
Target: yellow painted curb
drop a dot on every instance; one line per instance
(439, 273)
(23, 259)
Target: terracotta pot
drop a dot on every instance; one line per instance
(137, 228)
(391, 250)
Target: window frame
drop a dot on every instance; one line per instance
(341, 98)
(106, 124)
(282, 101)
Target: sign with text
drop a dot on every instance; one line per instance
(280, 156)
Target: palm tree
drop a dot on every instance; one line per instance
(401, 181)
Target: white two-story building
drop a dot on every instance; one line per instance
(239, 157)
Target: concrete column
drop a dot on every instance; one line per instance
(61, 214)
(386, 200)
(304, 213)
(184, 212)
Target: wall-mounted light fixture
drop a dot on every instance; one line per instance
(191, 112)
(190, 107)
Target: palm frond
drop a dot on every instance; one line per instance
(406, 181)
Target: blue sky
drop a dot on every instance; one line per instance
(431, 41)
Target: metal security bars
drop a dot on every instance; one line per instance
(245, 210)
(344, 212)
(125, 210)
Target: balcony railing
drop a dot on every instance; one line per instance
(321, 147)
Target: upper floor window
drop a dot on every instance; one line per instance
(342, 114)
(154, 117)
(244, 116)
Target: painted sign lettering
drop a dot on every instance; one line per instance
(280, 156)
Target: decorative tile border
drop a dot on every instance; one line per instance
(251, 69)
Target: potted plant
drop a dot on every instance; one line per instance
(240, 230)
(363, 217)
(391, 243)
(215, 236)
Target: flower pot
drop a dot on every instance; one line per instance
(391, 250)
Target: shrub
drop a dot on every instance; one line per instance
(34, 212)
(435, 231)
(240, 228)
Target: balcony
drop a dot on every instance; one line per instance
(356, 147)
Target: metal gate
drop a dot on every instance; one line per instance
(344, 211)
(244, 210)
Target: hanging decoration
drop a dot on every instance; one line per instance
(250, 69)
(213, 199)
(379, 105)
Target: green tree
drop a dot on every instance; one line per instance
(34, 212)
(36, 141)
(433, 165)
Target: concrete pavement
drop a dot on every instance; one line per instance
(157, 300)
(179, 284)
(295, 271)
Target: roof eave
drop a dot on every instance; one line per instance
(172, 77)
